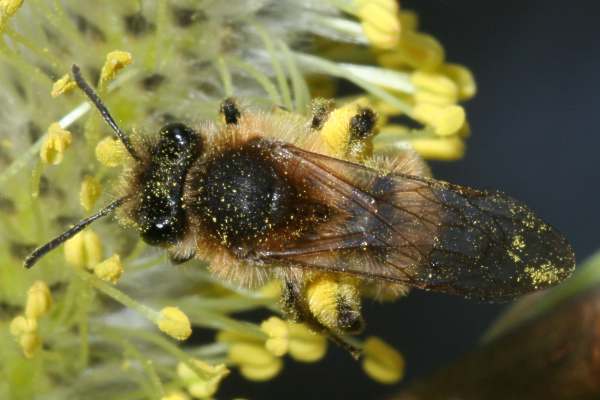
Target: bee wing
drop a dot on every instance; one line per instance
(422, 232)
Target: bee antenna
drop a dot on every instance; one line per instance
(93, 96)
(42, 250)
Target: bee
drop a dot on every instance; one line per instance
(264, 195)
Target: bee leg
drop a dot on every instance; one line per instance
(295, 306)
(362, 129)
(320, 109)
(177, 259)
(230, 111)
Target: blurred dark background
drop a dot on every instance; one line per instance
(536, 136)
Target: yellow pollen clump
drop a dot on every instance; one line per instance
(382, 362)
(115, 61)
(111, 152)
(380, 22)
(109, 270)
(57, 142)
(89, 192)
(545, 274)
(277, 331)
(325, 296)
(335, 132)
(39, 300)
(63, 85)
(83, 250)
(445, 120)
(175, 323)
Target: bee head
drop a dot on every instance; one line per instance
(160, 215)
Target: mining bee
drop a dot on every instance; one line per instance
(264, 195)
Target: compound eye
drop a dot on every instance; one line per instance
(178, 140)
(163, 231)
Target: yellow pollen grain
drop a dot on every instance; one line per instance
(518, 242)
(545, 274)
(175, 323)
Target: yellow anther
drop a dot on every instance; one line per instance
(446, 148)
(109, 270)
(436, 85)
(175, 323)
(30, 343)
(20, 325)
(175, 396)
(445, 120)
(57, 141)
(380, 22)
(277, 331)
(115, 61)
(255, 362)
(205, 386)
(62, 85)
(9, 7)
(409, 20)
(89, 192)
(416, 50)
(382, 362)
(306, 345)
(39, 300)
(463, 78)
(111, 152)
(83, 250)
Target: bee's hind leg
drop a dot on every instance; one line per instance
(294, 305)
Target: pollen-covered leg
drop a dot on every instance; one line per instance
(230, 111)
(348, 131)
(320, 109)
(335, 303)
(326, 306)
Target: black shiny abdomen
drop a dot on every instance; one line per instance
(160, 216)
(242, 196)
